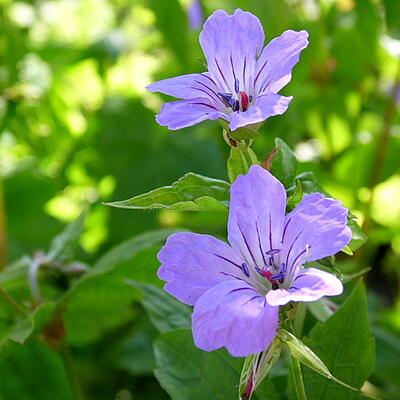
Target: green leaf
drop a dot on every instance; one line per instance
(320, 309)
(284, 163)
(60, 246)
(120, 253)
(165, 312)
(172, 22)
(306, 356)
(344, 343)
(93, 299)
(34, 372)
(185, 372)
(237, 164)
(12, 275)
(240, 160)
(192, 192)
(24, 328)
(295, 198)
(309, 183)
(358, 236)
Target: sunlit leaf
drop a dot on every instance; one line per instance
(192, 192)
(284, 163)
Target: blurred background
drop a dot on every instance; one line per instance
(77, 129)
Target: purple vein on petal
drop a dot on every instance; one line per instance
(270, 232)
(244, 70)
(259, 72)
(291, 247)
(240, 289)
(299, 276)
(284, 229)
(210, 89)
(205, 92)
(247, 244)
(208, 77)
(220, 71)
(259, 244)
(232, 276)
(204, 104)
(253, 298)
(228, 260)
(233, 68)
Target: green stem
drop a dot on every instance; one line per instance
(73, 377)
(3, 236)
(248, 154)
(296, 370)
(298, 379)
(10, 300)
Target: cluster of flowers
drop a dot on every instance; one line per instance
(237, 288)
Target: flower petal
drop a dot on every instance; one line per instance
(231, 44)
(274, 67)
(235, 316)
(256, 216)
(316, 228)
(266, 105)
(183, 113)
(310, 285)
(192, 263)
(189, 86)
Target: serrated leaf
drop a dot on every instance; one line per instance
(165, 312)
(306, 356)
(192, 192)
(345, 345)
(284, 163)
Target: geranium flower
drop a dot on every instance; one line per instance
(243, 76)
(237, 288)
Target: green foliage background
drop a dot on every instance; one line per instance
(77, 129)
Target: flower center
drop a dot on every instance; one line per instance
(238, 101)
(274, 272)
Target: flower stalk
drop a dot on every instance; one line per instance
(298, 379)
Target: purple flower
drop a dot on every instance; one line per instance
(195, 14)
(237, 288)
(243, 76)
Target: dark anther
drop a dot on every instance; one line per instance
(236, 85)
(245, 269)
(275, 286)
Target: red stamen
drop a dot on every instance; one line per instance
(268, 275)
(244, 100)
